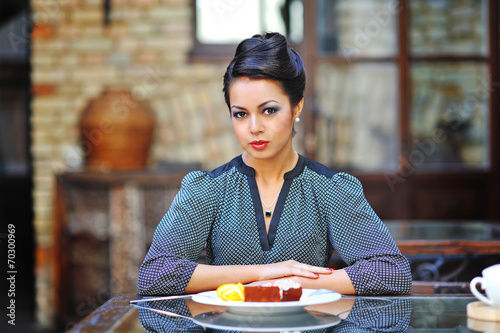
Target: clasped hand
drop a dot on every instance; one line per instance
(290, 268)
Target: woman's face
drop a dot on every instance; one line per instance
(262, 117)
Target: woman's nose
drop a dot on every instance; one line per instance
(255, 124)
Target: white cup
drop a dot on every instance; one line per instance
(490, 282)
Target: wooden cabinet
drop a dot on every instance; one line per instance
(103, 227)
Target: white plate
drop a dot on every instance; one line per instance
(226, 320)
(309, 297)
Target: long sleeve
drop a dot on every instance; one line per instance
(376, 266)
(178, 239)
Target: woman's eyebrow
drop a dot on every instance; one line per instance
(258, 106)
(266, 102)
(237, 107)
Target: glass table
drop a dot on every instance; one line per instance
(415, 313)
(444, 250)
(446, 237)
(447, 250)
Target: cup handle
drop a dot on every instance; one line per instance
(476, 293)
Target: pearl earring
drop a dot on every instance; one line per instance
(297, 120)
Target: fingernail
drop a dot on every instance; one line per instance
(330, 269)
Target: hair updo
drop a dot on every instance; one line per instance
(268, 56)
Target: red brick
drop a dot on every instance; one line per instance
(43, 89)
(42, 31)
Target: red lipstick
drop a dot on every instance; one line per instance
(259, 144)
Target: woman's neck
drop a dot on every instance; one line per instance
(272, 170)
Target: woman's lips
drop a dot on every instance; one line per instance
(259, 144)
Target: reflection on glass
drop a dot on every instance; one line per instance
(167, 316)
(356, 121)
(449, 113)
(229, 22)
(377, 315)
(448, 26)
(439, 314)
(366, 314)
(354, 28)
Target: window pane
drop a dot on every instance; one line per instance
(231, 21)
(449, 114)
(354, 28)
(357, 123)
(449, 26)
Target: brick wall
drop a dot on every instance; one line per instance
(74, 56)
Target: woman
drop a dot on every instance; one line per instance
(270, 213)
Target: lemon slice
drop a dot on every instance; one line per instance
(231, 292)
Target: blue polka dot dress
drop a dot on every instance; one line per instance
(317, 211)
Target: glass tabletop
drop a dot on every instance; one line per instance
(412, 313)
(349, 314)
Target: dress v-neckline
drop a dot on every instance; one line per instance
(267, 237)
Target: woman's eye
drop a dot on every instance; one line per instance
(269, 111)
(239, 115)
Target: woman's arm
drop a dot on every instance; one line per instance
(376, 266)
(178, 240)
(207, 277)
(337, 281)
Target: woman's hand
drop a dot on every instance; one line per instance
(310, 277)
(209, 277)
(291, 268)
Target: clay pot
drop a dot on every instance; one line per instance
(116, 131)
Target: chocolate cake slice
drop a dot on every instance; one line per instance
(285, 290)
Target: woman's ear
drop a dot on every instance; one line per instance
(298, 109)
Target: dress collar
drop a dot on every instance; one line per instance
(249, 171)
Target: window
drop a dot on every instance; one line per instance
(356, 84)
(221, 24)
(449, 83)
(415, 90)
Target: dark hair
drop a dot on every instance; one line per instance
(268, 56)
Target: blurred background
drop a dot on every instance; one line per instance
(106, 104)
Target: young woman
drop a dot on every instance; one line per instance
(271, 213)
